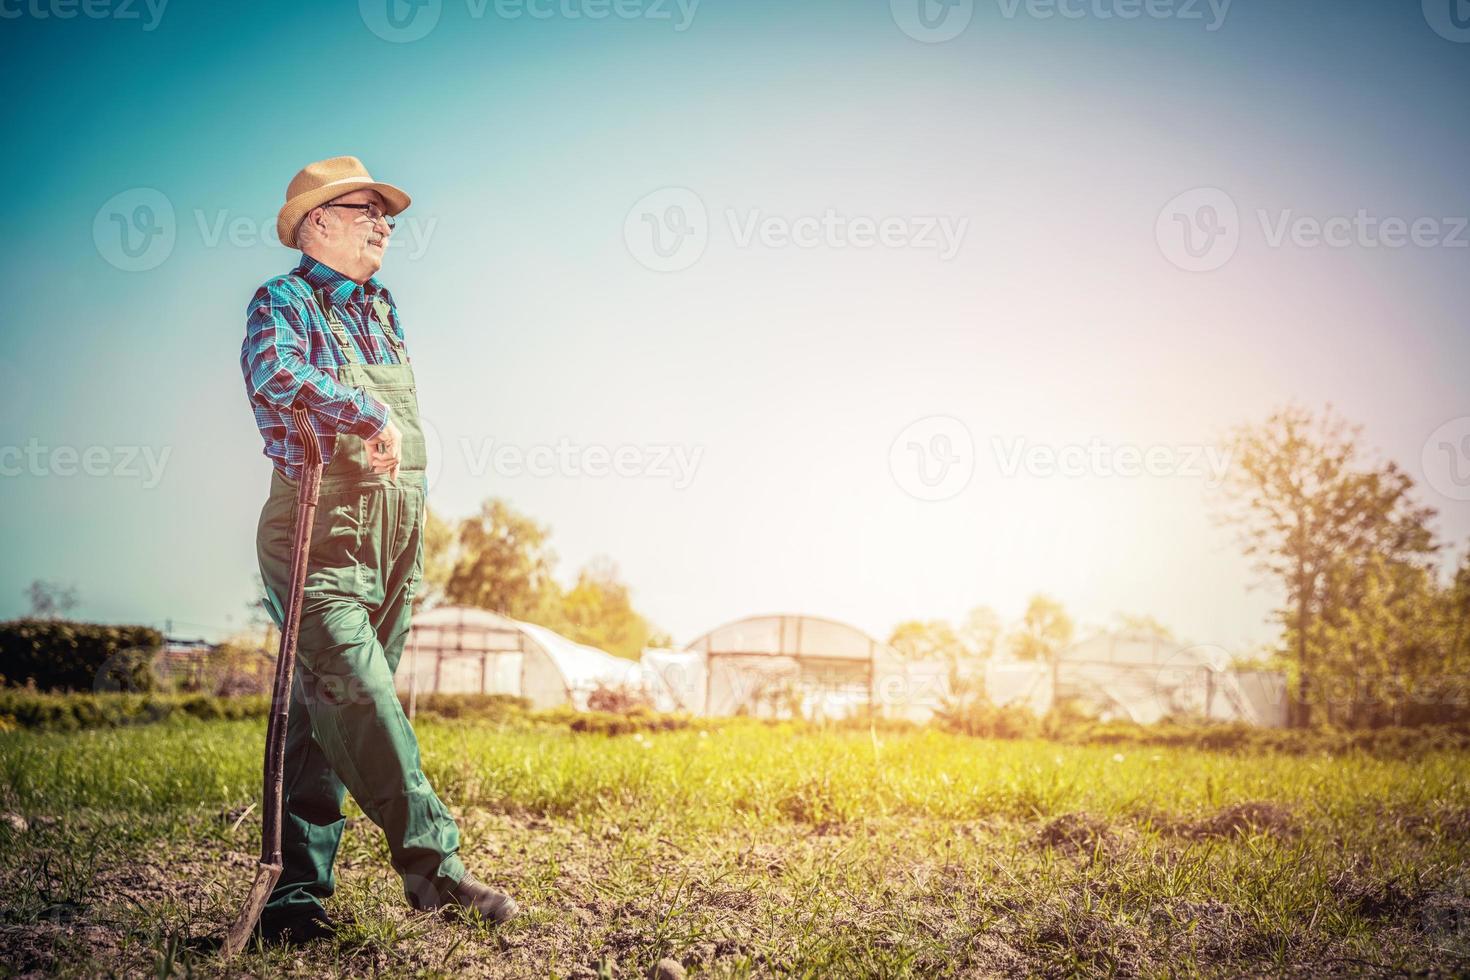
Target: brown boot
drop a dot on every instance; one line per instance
(490, 905)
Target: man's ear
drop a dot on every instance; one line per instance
(317, 218)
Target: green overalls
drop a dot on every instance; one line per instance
(347, 730)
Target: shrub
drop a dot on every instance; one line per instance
(59, 655)
(619, 699)
(70, 712)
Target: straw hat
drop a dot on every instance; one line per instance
(324, 180)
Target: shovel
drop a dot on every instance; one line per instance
(275, 733)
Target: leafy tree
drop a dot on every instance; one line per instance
(932, 640)
(1044, 631)
(1389, 646)
(501, 562)
(1306, 502)
(439, 558)
(1141, 624)
(597, 610)
(981, 632)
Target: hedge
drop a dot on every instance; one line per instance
(60, 655)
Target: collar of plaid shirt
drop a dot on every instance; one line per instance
(339, 288)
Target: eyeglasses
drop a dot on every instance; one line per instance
(374, 213)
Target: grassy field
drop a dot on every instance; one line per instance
(754, 850)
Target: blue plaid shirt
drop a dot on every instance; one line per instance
(289, 354)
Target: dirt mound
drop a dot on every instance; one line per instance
(1372, 896)
(1077, 833)
(1243, 819)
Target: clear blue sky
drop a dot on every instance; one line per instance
(1062, 320)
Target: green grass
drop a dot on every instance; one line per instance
(751, 850)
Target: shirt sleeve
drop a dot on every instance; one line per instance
(277, 371)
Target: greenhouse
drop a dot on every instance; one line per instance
(790, 666)
(463, 650)
(1143, 677)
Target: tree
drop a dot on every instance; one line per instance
(501, 562)
(51, 600)
(597, 610)
(440, 553)
(1141, 624)
(1304, 500)
(981, 632)
(1044, 631)
(932, 640)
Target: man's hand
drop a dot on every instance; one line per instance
(385, 450)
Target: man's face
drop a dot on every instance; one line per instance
(350, 242)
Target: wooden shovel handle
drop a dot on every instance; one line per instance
(307, 492)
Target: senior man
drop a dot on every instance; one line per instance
(327, 335)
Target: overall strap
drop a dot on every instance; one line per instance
(385, 321)
(339, 330)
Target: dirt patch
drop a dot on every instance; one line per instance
(1207, 928)
(1242, 819)
(1074, 936)
(1372, 896)
(1078, 833)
